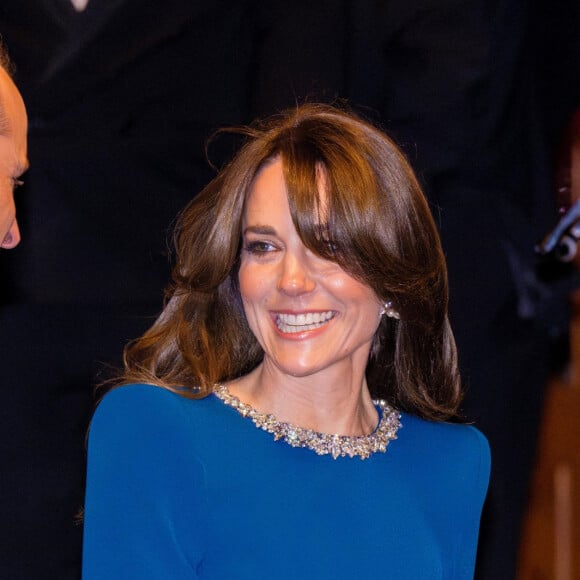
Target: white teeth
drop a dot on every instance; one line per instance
(291, 323)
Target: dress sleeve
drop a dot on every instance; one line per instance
(145, 501)
(478, 464)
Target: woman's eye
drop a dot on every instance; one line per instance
(259, 247)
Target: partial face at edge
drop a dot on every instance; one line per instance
(306, 312)
(13, 157)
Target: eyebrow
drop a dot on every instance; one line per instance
(263, 230)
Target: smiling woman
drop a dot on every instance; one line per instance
(310, 317)
(306, 325)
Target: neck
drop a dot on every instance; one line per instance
(329, 402)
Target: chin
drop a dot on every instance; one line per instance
(298, 369)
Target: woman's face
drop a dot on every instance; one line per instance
(306, 312)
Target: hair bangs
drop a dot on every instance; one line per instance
(338, 208)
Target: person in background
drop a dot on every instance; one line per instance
(121, 97)
(13, 159)
(292, 413)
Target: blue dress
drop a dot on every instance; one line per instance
(180, 488)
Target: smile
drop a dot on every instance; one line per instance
(292, 323)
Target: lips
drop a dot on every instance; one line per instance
(294, 323)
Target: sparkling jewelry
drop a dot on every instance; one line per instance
(390, 311)
(321, 443)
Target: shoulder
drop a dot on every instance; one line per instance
(459, 451)
(454, 437)
(145, 482)
(131, 401)
(146, 410)
(137, 393)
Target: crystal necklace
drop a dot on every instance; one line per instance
(321, 443)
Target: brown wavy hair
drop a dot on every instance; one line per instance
(383, 234)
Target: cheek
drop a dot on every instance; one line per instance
(253, 289)
(254, 299)
(352, 291)
(249, 283)
(362, 304)
(243, 281)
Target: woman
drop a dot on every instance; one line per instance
(309, 281)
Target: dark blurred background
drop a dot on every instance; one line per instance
(121, 98)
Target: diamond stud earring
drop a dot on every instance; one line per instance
(390, 311)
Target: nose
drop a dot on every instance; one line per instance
(296, 277)
(12, 238)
